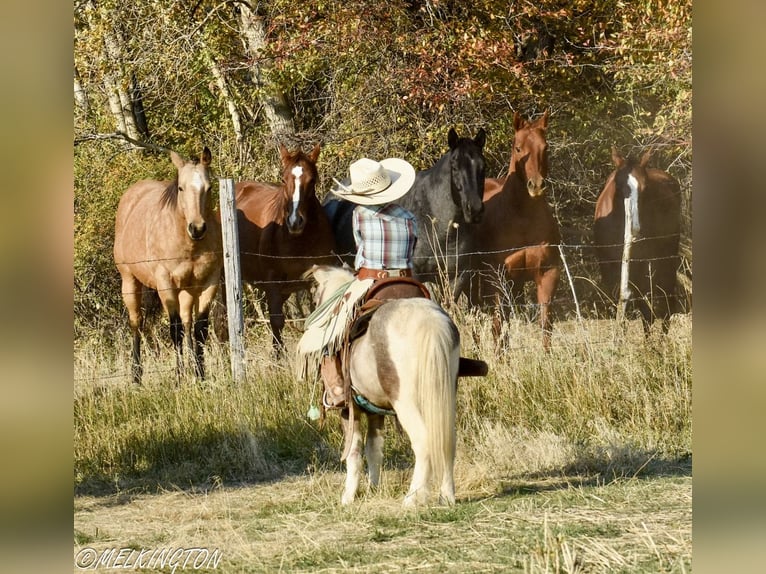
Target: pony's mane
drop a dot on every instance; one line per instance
(329, 273)
(170, 195)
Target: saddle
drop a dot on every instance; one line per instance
(381, 291)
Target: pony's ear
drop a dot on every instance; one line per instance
(177, 160)
(314, 155)
(617, 158)
(206, 156)
(481, 138)
(452, 138)
(645, 158)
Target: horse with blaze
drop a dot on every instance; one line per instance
(654, 197)
(283, 231)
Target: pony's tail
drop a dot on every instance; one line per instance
(437, 388)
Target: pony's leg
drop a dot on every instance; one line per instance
(413, 424)
(354, 458)
(447, 489)
(373, 449)
(131, 295)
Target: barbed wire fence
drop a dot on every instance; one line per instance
(578, 297)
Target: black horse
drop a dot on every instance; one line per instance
(446, 199)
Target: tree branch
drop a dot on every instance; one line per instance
(118, 135)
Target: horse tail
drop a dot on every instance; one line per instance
(439, 353)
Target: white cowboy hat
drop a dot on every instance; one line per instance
(376, 182)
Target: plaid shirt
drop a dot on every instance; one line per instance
(385, 237)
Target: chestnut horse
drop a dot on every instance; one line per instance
(406, 361)
(166, 238)
(518, 238)
(655, 199)
(283, 231)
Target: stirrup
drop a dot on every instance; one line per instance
(328, 405)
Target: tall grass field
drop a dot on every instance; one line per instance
(578, 460)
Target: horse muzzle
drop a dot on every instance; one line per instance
(295, 226)
(196, 231)
(535, 187)
(473, 214)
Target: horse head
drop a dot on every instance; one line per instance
(467, 173)
(630, 180)
(192, 191)
(299, 176)
(529, 156)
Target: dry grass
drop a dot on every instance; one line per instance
(577, 461)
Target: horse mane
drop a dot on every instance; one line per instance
(170, 195)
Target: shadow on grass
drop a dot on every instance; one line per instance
(204, 458)
(590, 471)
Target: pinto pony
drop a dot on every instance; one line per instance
(166, 238)
(406, 361)
(655, 203)
(518, 238)
(283, 231)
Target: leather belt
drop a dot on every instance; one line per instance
(366, 273)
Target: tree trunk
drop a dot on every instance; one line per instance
(231, 105)
(80, 95)
(116, 80)
(278, 113)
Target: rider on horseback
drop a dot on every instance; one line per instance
(385, 236)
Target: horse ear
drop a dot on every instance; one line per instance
(177, 160)
(452, 138)
(617, 158)
(518, 121)
(645, 158)
(283, 152)
(544, 119)
(314, 155)
(481, 138)
(206, 156)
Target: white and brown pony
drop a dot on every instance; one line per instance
(167, 239)
(407, 361)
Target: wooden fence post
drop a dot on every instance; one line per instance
(233, 278)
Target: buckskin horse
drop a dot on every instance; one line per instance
(406, 361)
(283, 231)
(518, 238)
(655, 199)
(446, 201)
(166, 238)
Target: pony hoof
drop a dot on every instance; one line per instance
(346, 500)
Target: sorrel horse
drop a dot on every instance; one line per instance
(445, 199)
(517, 241)
(283, 231)
(407, 361)
(655, 199)
(166, 238)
